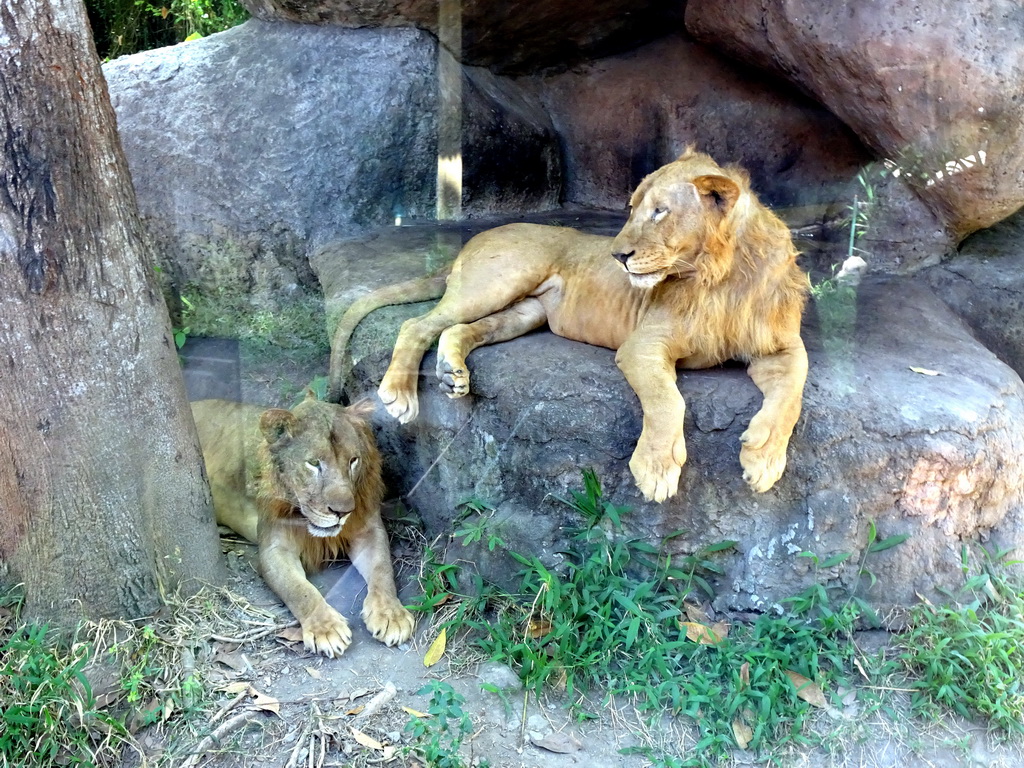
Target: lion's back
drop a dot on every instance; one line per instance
(228, 435)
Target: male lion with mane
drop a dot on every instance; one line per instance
(305, 485)
(701, 273)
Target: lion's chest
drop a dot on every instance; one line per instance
(598, 307)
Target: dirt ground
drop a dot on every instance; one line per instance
(282, 706)
(279, 705)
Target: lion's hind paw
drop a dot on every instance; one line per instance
(388, 621)
(454, 380)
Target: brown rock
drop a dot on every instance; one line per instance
(624, 116)
(935, 87)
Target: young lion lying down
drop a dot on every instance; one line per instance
(316, 471)
(701, 273)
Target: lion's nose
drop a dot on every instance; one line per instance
(622, 258)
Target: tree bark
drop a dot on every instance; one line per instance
(103, 502)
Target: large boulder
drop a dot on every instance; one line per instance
(937, 457)
(249, 147)
(507, 37)
(934, 87)
(624, 116)
(985, 286)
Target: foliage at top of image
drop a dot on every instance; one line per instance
(121, 27)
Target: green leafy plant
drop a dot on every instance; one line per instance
(181, 334)
(472, 532)
(127, 26)
(968, 655)
(438, 737)
(621, 617)
(860, 213)
(49, 715)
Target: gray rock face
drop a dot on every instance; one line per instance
(934, 87)
(247, 146)
(935, 457)
(985, 286)
(507, 37)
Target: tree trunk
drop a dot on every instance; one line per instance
(103, 503)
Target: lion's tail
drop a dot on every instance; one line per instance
(409, 292)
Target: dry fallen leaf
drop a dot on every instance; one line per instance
(538, 628)
(742, 733)
(436, 649)
(695, 613)
(561, 743)
(291, 634)
(235, 660)
(367, 741)
(699, 633)
(807, 689)
(264, 703)
(721, 629)
(745, 675)
(313, 672)
(924, 371)
(356, 710)
(236, 687)
(415, 712)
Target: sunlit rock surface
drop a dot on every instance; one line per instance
(935, 453)
(249, 147)
(935, 87)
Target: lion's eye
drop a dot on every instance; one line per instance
(658, 215)
(313, 465)
(353, 465)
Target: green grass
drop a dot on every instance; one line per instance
(48, 714)
(621, 619)
(968, 656)
(438, 736)
(151, 675)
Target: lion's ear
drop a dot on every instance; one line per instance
(362, 409)
(275, 424)
(718, 193)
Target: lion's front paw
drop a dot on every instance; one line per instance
(656, 465)
(326, 631)
(657, 472)
(388, 620)
(454, 378)
(400, 403)
(763, 456)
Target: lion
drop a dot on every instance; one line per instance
(701, 273)
(305, 485)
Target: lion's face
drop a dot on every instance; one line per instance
(674, 222)
(318, 452)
